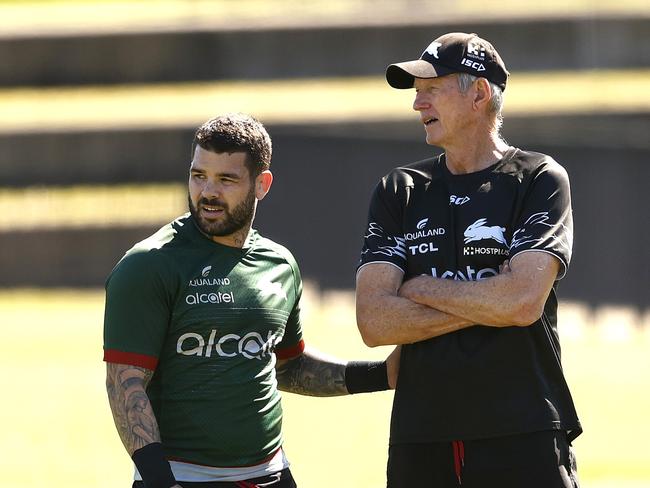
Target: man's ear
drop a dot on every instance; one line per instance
(263, 183)
(482, 94)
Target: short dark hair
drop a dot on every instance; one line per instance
(236, 132)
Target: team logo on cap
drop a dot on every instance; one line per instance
(433, 49)
(475, 50)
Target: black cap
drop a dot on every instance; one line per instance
(456, 52)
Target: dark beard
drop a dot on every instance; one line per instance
(240, 217)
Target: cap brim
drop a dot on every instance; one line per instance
(402, 75)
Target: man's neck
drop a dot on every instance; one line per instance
(236, 239)
(475, 154)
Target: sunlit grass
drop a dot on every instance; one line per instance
(90, 206)
(56, 414)
(300, 101)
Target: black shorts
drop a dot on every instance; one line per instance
(535, 460)
(281, 479)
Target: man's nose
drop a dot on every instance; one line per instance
(211, 189)
(419, 103)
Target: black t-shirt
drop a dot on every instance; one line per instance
(480, 381)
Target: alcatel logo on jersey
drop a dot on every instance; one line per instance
(479, 231)
(251, 345)
(215, 298)
(455, 200)
(469, 274)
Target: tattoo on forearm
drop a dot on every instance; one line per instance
(309, 375)
(132, 412)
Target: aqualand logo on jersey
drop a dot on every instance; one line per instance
(205, 280)
(250, 346)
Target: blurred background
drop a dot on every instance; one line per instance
(98, 104)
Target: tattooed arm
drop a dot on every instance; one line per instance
(134, 418)
(312, 373)
(315, 374)
(132, 412)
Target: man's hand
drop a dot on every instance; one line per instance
(392, 366)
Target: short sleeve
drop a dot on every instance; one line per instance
(137, 312)
(546, 221)
(292, 343)
(384, 237)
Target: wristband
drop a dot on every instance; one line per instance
(366, 376)
(153, 467)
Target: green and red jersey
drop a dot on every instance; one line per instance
(210, 320)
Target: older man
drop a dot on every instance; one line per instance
(460, 263)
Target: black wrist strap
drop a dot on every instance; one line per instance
(366, 376)
(153, 467)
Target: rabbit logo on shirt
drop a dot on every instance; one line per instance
(479, 231)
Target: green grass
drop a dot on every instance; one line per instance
(56, 416)
(300, 101)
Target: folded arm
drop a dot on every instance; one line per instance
(516, 297)
(383, 317)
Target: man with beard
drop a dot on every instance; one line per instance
(202, 326)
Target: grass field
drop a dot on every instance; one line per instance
(300, 101)
(57, 429)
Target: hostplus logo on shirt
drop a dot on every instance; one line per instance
(480, 231)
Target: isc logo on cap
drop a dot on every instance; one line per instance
(472, 64)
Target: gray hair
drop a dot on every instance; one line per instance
(465, 80)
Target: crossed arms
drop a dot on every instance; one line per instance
(392, 312)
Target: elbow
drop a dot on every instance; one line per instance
(526, 312)
(368, 334)
(367, 325)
